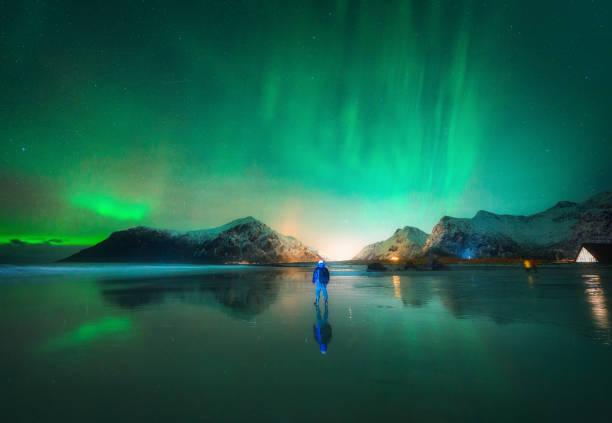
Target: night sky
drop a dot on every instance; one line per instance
(332, 121)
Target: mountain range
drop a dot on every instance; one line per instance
(245, 240)
(556, 233)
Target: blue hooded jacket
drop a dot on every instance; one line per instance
(321, 274)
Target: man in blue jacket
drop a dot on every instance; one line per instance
(320, 278)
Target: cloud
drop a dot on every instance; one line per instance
(20, 252)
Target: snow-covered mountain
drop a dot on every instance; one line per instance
(555, 233)
(244, 240)
(405, 243)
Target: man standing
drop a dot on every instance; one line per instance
(320, 279)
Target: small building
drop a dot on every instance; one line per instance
(595, 253)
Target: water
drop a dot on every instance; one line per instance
(188, 343)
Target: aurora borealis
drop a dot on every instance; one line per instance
(332, 121)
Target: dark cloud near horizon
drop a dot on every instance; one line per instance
(20, 252)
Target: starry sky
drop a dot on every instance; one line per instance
(333, 121)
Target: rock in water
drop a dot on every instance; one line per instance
(410, 266)
(376, 267)
(434, 264)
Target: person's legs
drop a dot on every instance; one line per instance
(324, 289)
(317, 293)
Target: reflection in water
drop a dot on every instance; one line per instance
(90, 332)
(491, 294)
(246, 299)
(597, 299)
(468, 294)
(397, 287)
(390, 359)
(411, 293)
(241, 295)
(322, 330)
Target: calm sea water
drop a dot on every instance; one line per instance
(160, 344)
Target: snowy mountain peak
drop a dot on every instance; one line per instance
(405, 243)
(601, 200)
(410, 230)
(484, 215)
(554, 233)
(244, 221)
(564, 205)
(245, 240)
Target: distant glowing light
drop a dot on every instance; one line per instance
(467, 254)
(111, 207)
(394, 258)
(339, 247)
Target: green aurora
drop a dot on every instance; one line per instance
(332, 121)
(90, 332)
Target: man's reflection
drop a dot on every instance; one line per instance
(322, 330)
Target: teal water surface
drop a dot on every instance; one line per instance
(218, 343)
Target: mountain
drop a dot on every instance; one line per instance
(405, 243)
(244, 240)
(555, 233)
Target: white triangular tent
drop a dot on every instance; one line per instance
(585, 257)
